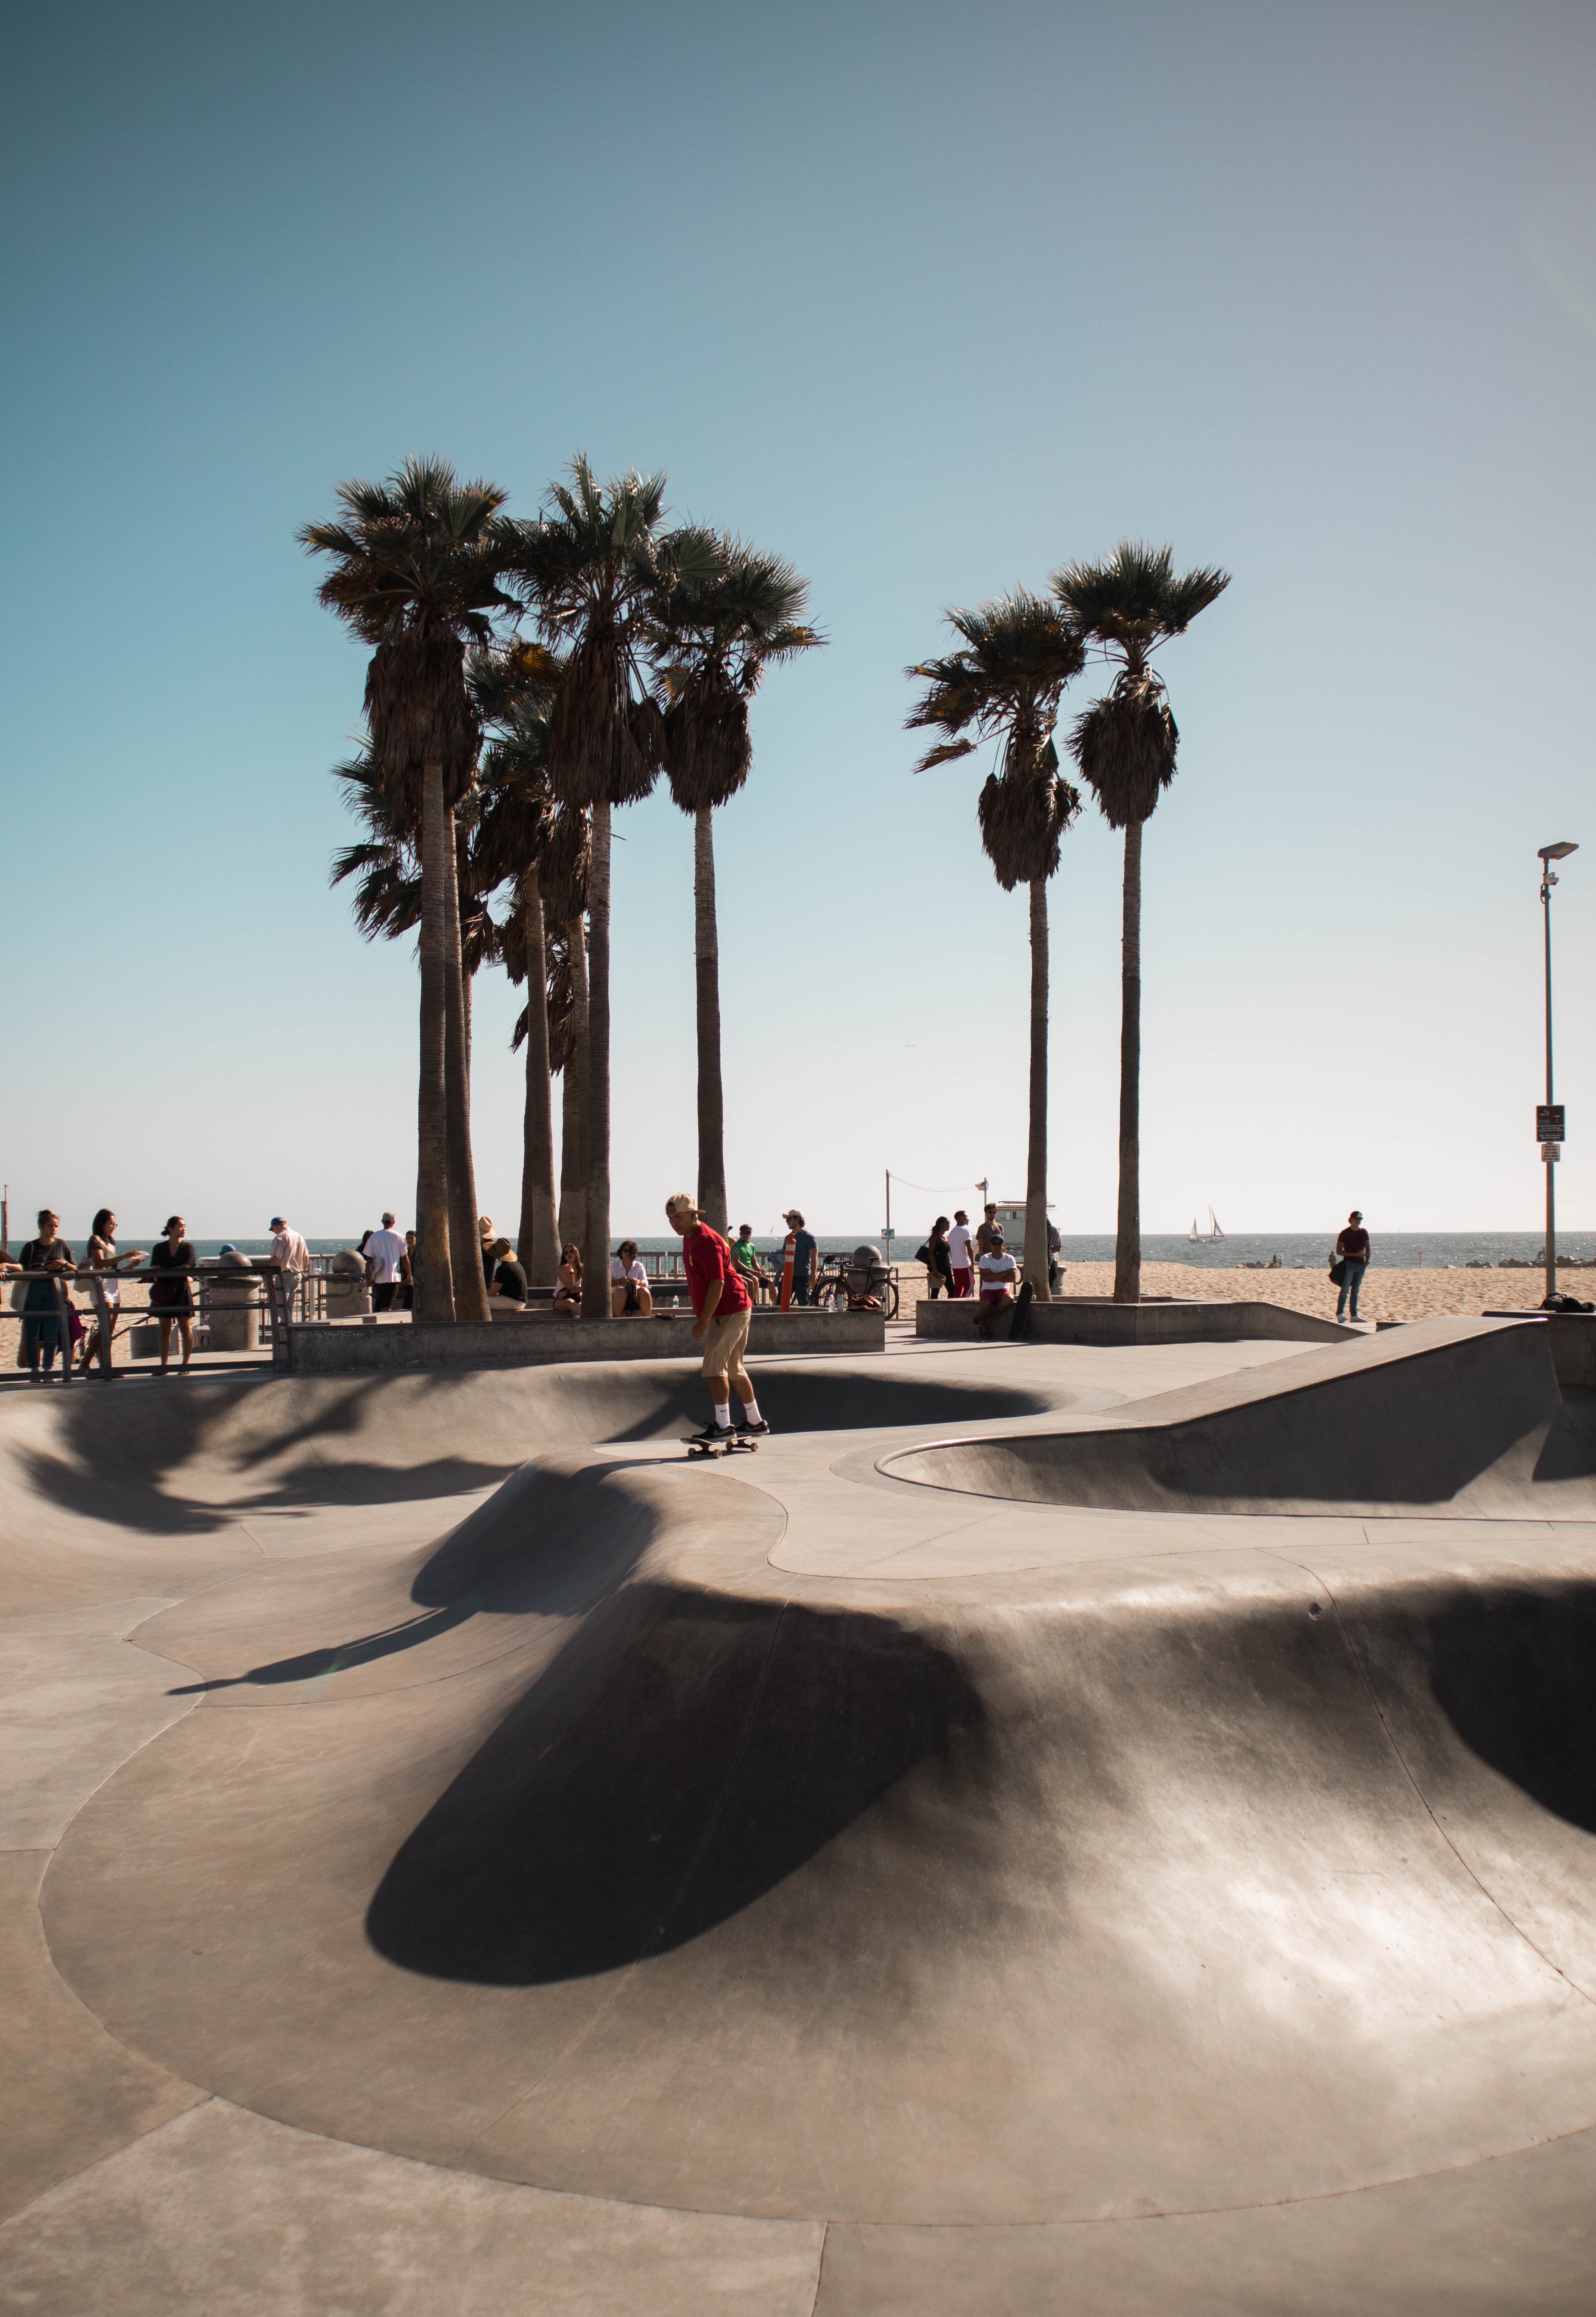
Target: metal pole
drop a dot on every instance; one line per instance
(1551, 1245)
(889, 1233)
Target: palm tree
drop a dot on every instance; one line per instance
(1018, 655)
(416, 564)
(513, 691)
(388, 902)
(1125, 745)
(565, 885)
(726, 614)
(589, 568)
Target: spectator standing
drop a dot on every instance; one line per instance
(290, 1253)
(42, 1336)
(722, 1311)
(937, 1261)
(172, 1293)
(406, 1298)
(986, 1229)
(102, 1257)
(745, 1255)
(628, 1282)
(385, 1252)
(961, 1255)
(508, 1281)
(1352, 1252)
(804, 1253)
(1055, 1250)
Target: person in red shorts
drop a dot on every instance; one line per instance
(722, 1309)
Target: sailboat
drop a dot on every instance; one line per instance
(1209, 1237)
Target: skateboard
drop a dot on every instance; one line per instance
(734, 1444)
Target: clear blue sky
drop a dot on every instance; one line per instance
(929, 299)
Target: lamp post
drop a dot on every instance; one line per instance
(1549, 1134)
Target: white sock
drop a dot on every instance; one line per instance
(751, 1411)
(723, 1415)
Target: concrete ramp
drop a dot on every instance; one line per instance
(1447, 1417)
(1196, 1916)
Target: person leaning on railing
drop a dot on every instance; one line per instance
(42, 1336)
(102, 1257)
(171, 1290)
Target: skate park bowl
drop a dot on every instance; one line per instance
(1472, 1423)
(1061, 1829)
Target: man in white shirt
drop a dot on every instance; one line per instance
(960, 1240)
(385, 1251)
(1000, 1276)
(290, 1253)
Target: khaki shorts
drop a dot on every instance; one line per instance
(725, 1342)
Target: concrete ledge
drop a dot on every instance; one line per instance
(1574, 1343)
(1097, 1320)
(322, 1348)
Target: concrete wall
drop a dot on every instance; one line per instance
(1096, 1319)
(1574, 1343)
(318, 1348)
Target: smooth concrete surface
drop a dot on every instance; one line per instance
(1461, 1416)
(541, 1337)
(574, 1878)
(1099, 1320)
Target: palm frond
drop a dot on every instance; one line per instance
(1133, 601)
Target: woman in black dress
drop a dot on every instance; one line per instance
(939, 1261)
(171, 1292)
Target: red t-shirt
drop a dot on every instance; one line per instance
(706, 1257)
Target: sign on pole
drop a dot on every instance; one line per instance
(1548, 1123)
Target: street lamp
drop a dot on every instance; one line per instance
(1548, 1123)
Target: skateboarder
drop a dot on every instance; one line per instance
(722, 1309)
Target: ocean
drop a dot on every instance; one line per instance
(1297, 1250)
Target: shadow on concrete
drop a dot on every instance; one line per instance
(1514, 1671)
(583, 1838)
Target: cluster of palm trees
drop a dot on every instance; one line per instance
(1004, 684)
(493, 760)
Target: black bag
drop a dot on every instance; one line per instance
(1337, 1270)
(923, 1254)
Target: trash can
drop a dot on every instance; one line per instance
(230, 1304)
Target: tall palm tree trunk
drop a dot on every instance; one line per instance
(595, 1248)
(1036, 1157)
(434, 1288)
(1127, 1241)
(535, 1240)
(573, 1169)
(711, 1191)
(471, 1288)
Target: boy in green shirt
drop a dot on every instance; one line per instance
(745, 1255)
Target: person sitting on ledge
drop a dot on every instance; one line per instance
(628, 1282)
(1000, 1276)
(508, 1281)
(567, 1286)
(745, 1255)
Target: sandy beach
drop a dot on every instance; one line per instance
(1387, 1295)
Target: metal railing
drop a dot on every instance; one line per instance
(277, 1299)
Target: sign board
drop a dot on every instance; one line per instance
(1548, 1123)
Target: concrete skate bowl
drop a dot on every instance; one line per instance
(630, 1866)
(145, 1486)
(582, 1847)
(1447, 1418)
